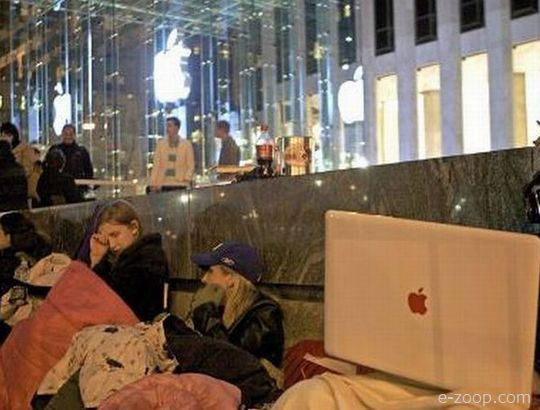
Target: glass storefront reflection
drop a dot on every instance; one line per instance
(118, 69)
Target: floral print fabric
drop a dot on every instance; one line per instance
(110, 357)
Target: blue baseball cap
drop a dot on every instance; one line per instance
(238, 256)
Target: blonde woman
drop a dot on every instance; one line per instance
(230, 307)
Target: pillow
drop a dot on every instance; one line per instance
(79, 299)
(188, 391)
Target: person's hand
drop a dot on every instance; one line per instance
(210, 293)
(99, 246)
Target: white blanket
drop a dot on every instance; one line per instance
(379, 392)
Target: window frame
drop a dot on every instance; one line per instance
(388, 29)
(430, 17)
(476, 24)
(527, 11)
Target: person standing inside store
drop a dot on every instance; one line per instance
(25, 155)
(78, 163)
(13, 185)
(55, 187)
(174, 162)
(230, 153)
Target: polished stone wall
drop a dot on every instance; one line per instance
(284, 217)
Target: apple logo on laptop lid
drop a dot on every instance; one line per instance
(417, 302)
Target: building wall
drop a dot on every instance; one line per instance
(496, 39)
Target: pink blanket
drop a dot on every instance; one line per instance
(187, 391)
(79, 299)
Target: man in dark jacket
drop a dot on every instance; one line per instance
(13, 185)
(56, 187)
(230, 153)
(78, 163)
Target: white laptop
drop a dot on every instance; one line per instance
(448, 306)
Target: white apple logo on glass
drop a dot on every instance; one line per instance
(171, 79)
(351, 98)
(62, 109)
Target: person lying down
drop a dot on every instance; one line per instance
(105, 359)
(109, 357)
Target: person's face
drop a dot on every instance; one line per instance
(4, 136)
(216, 275)
(118, 236)
(5, 239)
(221, 133)
(172, 130)
(68, 136)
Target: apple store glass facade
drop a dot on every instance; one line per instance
(117, 69)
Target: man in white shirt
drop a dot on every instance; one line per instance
(174, 162)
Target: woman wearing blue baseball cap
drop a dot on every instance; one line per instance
(230, 307)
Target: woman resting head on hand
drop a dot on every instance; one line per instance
(231, 307)
(132, 264)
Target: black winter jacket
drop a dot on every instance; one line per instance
(221, 360)
(55, 188)
(30, 243)
(13, 187)
(8, 263)
(138, 276)
(259, 330)
(78, 162)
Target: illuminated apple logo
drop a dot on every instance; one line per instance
(171, 80)
(351, 98)
(62, 109)
(417, 302)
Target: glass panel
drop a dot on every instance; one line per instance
(524, 7)
(472, 14)
(384, 26)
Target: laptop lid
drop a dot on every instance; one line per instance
(449, 306)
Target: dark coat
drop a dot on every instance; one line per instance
(219, 359)
(13, 186)
(230, 153)
(30, 243)
(55, 188)
(195, 354)
(138, 276)
(78, 162)
(8, 263)
(259, 330)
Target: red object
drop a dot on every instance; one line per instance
(79, 299)
(265, 152)
(188, 391)
(417, 302)
(297, 368)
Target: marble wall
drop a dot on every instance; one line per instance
(284, 217)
